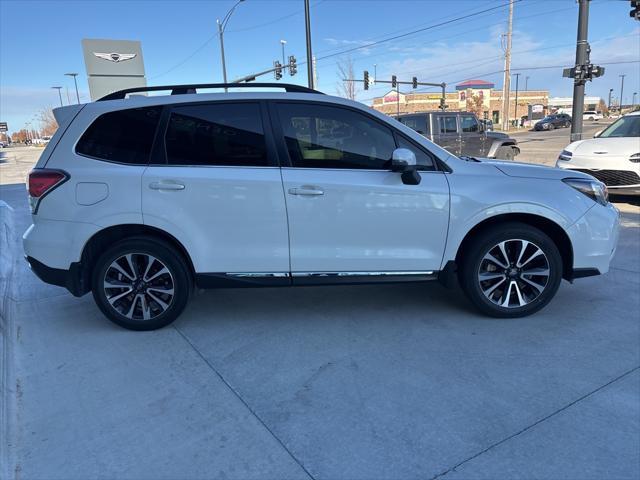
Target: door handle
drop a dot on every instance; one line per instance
(306, 191)
(166, 186)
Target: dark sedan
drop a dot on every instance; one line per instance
(551, 122)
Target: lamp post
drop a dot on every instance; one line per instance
(621, 91)
(221, 26)
(74, 75)
(59, 93)
(526, 83)
(609, 105)
(633, 101)
(517, 75)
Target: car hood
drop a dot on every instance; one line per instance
(603, 147)
(497, 135)
(527, 170)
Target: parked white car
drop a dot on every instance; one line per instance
(612, 156)
(592, 115)
(139, 199)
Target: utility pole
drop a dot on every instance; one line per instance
(307, 26)
(283, 43)
(622, 91)
(526, 83)
(517, 75)
(506, 84)
(633, 100)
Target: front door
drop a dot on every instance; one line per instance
(215, 185)
(472, 139)
(446, 133)
(348, 212)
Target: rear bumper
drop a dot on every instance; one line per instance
(71, 279)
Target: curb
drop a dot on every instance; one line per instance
(7, 399)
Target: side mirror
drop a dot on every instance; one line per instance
(597, 134)
(481, 127)
(404, 160)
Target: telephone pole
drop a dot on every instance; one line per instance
(506, 84)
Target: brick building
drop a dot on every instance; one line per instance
(473, 95)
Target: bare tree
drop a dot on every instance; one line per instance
(48, 122)
(475, 104)
(346, 86)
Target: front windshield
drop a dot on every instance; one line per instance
(628, 126)
(548, 117)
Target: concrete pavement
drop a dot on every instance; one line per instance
(401, 381)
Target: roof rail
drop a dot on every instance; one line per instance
(185, 89)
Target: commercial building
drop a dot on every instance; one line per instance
(473, 95)
(565, 104)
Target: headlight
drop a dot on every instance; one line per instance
(565, 156)
(635, 158)
(596, 191)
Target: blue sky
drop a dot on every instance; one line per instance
(40, 41)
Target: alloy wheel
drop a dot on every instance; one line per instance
(138, 286)
(514, 273)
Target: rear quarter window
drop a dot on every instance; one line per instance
(123, 136)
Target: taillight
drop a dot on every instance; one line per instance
(41, 182)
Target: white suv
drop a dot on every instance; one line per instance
(140, 199)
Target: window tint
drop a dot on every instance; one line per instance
(320, 136)
(447, 124)
(425, 162)
(228, 134)
(468, 123)
(124, 136)
(417, 123)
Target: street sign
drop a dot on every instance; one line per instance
(3, 127)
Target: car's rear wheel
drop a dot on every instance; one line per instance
(141, 284)
(505, 153)
(511, 270)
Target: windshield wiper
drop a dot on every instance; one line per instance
(470, 159)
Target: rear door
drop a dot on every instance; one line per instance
(472, 139)
(214, 183)
(446, 133)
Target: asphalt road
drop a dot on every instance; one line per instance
(401, 381)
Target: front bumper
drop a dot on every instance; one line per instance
(594, 238)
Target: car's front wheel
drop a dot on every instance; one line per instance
(141, 284)
(505, 153)
(511, 270)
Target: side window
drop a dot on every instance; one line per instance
(468, 123)
(417, 123)
(319, 136)
(425, 161)
(123, 136)
(228, 134)
(447, 124)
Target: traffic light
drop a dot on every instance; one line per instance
(366, 80)
(414, 82)
(394, 81)
(293, 69)
(595, 71)
(277, 70)
(635, 9)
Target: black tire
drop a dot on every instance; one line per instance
(551, 126)
(160, 306)
(505, 153)
(474, 264)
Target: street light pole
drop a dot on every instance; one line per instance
(622, 91)
(582, 58)
(609, 104)
(633, 99)
(526, 83)
(221, 26)
(517, 75)
(74, 75)
(59, 94)
(307, 26)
